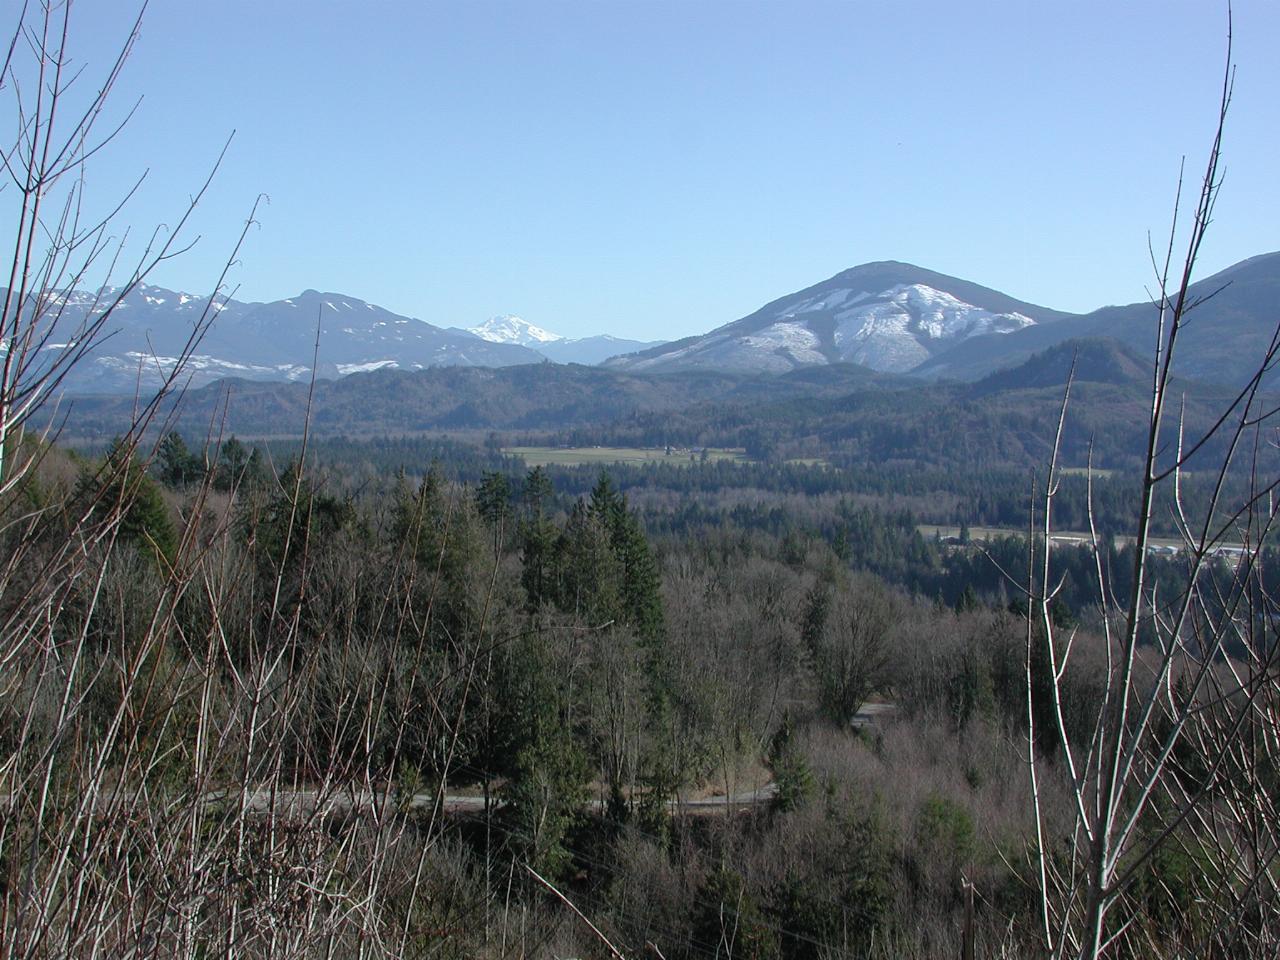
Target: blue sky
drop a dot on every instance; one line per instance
(653, 169)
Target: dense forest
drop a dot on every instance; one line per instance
(545, 695)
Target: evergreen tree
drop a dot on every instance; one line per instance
(608, 506)
(537, 540)
(641, 580)
(538, 558)
(255, 474)
(547, 769)
(176, 465)
(238, 466)
(493, 497)
(283, 524)
(791, 770)
(441, 535)
(588, 575)
(120, 484)
(537, 491)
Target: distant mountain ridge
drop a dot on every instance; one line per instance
(587, 350)
(1237, 315)
(149, 328)
(1092, 360)
(276, 341)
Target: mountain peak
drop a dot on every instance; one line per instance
(887, 315)
(512, 329)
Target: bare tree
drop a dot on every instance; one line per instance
(159, 792)
(1182, 756)
(846, 637)
(56, 247)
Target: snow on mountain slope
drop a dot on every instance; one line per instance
(887, 316)
(513, 329)
(894, 331)
(148, 328)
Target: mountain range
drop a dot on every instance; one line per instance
(887, 316)
(149, 326)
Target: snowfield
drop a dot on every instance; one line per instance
(513, 329)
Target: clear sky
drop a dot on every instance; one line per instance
(653, 169)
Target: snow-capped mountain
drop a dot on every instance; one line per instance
(587, 350)
(888, 316)
(148, 328)
(512, 329)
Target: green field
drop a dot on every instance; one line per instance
(578, 456)
(1085, 471)
(1067, 537)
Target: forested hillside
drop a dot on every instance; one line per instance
(848, 416)
(586, 680)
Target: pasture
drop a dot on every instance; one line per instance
(579, 456)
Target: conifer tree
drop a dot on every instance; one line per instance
(537, 491)
(233, 457)
(537, 540)
(176, 465)
(121, 484)
(493, 497)
(547, 768)
(588, 576)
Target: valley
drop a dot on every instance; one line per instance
(675, 615)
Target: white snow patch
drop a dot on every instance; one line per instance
(891, 333)
(193, 362)
(346, 368)
(828, 301)
(793, 338)
(513, 329)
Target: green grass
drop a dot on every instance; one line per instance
(578, 456)
(930, 530)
